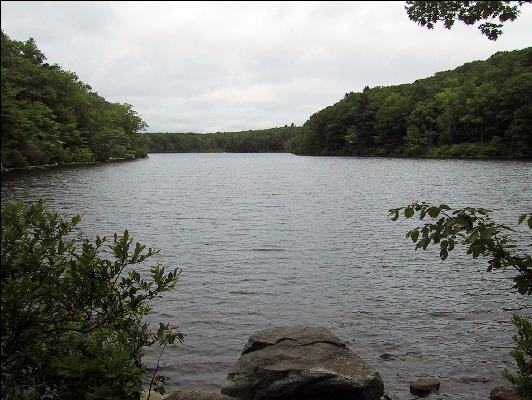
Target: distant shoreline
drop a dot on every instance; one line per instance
(350, 156)
(71, 164)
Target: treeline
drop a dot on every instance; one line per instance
(50, 116)
(273, 140)
(481, 109)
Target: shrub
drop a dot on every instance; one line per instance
(12, 158)
(82, 154)
(73, 310)
(523, 357)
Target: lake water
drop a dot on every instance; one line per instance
(276, 239)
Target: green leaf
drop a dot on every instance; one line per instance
(450, 244)
(414, 235)
(409, 212)
(434, 212)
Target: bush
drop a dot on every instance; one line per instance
(35, 154)
(465, 150)
(12, 158)
(523, 357)
(73, 310)
(82, 154)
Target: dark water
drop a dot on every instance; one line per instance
(276, 239)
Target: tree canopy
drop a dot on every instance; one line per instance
(50, 116)
(273, 140)
(428, 13)
(481, 109)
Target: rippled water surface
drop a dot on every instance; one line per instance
(277, 239)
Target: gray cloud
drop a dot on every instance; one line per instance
(211, 66)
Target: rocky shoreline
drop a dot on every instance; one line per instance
(308, 363)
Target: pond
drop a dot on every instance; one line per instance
(276, 239)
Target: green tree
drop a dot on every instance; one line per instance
(428, 13)
(421, 132)
(450, 104)
(480, 109)
(474, 228)
(73, 310)
(391, 120)
(416, 141)
(49, 116)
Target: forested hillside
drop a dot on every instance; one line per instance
(272, 140)
(50, 116)
(481, 109)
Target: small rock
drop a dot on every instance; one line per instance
(505, 393)
(424, 387)
(387, 357)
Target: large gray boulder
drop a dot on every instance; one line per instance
(301, 362)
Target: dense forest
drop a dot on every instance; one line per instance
(274, 140)
(481, 109)
(50, 116)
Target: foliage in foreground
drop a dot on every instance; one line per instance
(73, 310)
(474, 228)
(427, 13)
(523, 357)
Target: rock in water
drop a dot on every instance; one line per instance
(505, 393)
(301, 362)
(424, 387)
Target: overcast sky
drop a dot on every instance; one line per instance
(207, 67)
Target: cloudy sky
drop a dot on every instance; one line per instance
(231, 66)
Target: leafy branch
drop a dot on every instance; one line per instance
(474, 228)
(428, 13)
